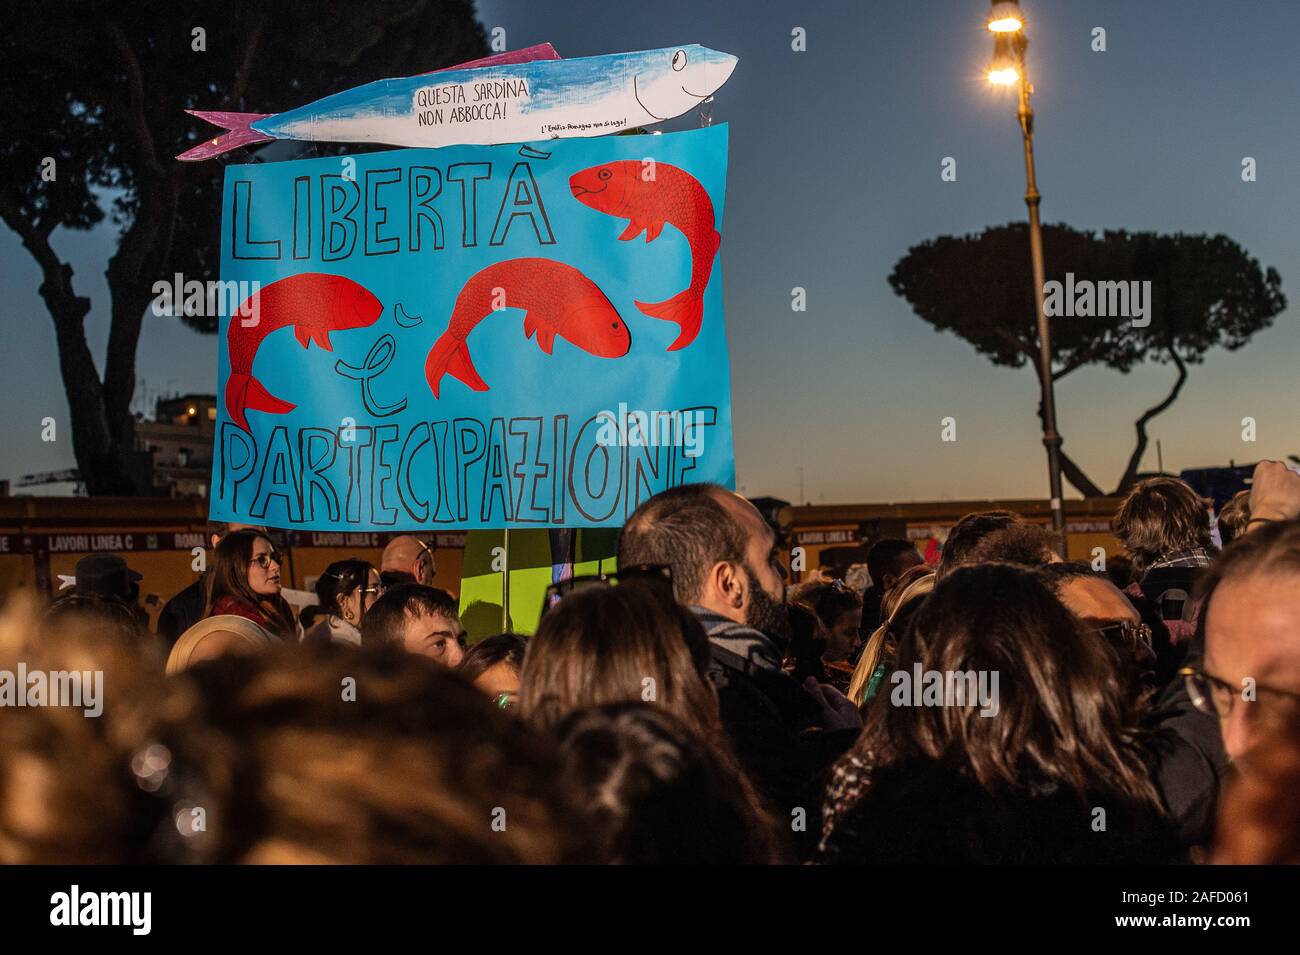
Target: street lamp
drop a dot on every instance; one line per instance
(1007, 24)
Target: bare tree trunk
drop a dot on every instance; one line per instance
(103, 468)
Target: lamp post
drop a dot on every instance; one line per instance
(1007, 24)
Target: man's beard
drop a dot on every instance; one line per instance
(765, 614)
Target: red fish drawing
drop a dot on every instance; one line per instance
(649, 196)
(313, 303)
(557, 299)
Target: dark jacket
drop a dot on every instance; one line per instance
(1186, 757)
(181, 612)
(772, 722)
(922, 812)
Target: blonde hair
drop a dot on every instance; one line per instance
(916, 582)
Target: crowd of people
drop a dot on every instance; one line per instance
(696, 706)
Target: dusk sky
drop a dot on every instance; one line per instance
(835, 172)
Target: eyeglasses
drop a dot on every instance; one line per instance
(655, 574)
(1216, 697)
(266, 560)
(1127, 633)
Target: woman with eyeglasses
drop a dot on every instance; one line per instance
(244, 612)
(346, 590)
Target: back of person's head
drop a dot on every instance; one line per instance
(67, 793)
(410, 556)
(966, 535)
(807, 643)
(900, 604)
(1120, 570)
(413, 766)
(829, 599)
(105, 614)
(1056, 714)
(507, 648)
(1025, 544)
(686, 528)
(1234, 517)
(655, 793)
(1161, 515)
(1058, 575)
(319, 754)
(1271, 551)
(395, 578)
(889, 558)
(338, 580)
(386, 619)
(616, 644)
(902, 589)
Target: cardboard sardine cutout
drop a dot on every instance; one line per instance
(500, 103)
(240, 129)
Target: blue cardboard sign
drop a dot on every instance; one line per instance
(474, 336)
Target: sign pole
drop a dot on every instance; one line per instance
(505, 581)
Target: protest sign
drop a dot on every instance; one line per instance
(457, 338)
(508, 98)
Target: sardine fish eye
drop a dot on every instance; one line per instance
(604, 174)
(679, 60)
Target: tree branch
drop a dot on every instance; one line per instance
(1135, 459)
(240, 84)
(1078, 362)
(136, 120)
(1074, 474)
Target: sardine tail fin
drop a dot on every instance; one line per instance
(259, 399)
(685, 308)
(239, 133)
(245, 393)
(236, 386)
(448, 356)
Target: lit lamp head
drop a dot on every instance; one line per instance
(1006, 23)
(1004, 71)
(1005, 17)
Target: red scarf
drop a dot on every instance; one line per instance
(265, 614)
